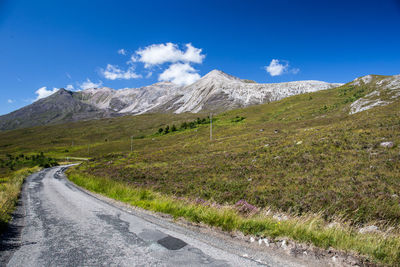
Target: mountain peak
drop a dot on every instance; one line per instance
(218, 74)
(62, 91)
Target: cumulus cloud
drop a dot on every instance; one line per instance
(10, 101)
(70, 87)
(113, 72)
(89, 84)
(174, 61)
(122, 52)
(42, 92)
(180, 73)
(275, 68)
(278, 67)
(158, 54)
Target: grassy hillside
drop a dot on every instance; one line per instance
(73, 139)
(302, 155)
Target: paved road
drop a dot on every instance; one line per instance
(58, 224)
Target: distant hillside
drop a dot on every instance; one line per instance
(62, 106)
(216, 91)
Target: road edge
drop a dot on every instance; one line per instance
(281, 247)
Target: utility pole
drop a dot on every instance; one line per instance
(131, 143)
(210, 126)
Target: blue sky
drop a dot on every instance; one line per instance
(54, 44)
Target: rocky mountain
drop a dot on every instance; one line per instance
(133, 100)
(62, 106)
(216, 91)
(220, 91)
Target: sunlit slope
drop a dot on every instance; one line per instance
(302, 154)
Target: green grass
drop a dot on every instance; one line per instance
(10, 187)
(73, 139)
(308, 230)
(331, 165)
(301, 156)
(11, 163)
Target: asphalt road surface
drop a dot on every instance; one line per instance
(58, 224)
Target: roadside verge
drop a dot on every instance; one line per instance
(10, 188)
(295, 235)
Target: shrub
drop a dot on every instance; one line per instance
(192, 125)
(237, 119)
(14, 163)
(245, 208)
(184, 125)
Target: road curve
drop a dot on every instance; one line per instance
(58, 224)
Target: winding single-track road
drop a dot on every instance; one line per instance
(59, 224)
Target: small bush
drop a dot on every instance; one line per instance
(237, 119)
(245, 208)
(184, 126)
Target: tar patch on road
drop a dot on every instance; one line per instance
(171, 243)
(122, 227)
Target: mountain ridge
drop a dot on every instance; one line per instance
(216, 91)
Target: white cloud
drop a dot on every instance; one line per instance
(157, 54)
(10, 101)
(148, 75)
(42, 92)
(275, 68)
(70, 87)
(89, 84)
(295, 71)
(113, 72)
(278, 67)
(68, 75)
(180, 73)
(122, 52)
